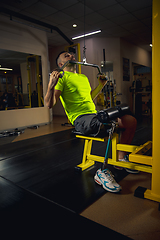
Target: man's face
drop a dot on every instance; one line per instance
(64, 57)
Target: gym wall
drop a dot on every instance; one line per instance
(115, 50)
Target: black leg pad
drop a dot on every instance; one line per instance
(107, 115)
(123, 109)
(110, 114)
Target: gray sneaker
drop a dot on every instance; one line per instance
(125, 159)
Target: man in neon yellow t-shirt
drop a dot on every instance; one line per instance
(77, 98)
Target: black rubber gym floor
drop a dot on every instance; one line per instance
(38, 180)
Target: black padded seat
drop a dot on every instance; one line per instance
(101, 134)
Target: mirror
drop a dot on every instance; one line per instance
(141, 91)
(20, 80)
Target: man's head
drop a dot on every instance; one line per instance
(63, 57)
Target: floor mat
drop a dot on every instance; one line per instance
(25, 215)
(48, 170)
(45, 166)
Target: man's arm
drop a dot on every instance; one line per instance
(52, 95)
(95, 92)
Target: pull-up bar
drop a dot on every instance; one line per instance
(87, 64)
(80, 63)
(35, 21)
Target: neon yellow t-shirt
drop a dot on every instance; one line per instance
(75, 97)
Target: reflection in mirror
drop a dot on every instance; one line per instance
(20, 80)
(141, 90)
(108, 96)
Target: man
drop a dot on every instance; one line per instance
(77, 99)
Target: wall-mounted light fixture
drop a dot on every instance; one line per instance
(87, 34)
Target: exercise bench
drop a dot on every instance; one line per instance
(89, 159)
(138, 159)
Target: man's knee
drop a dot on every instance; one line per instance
(127, 121)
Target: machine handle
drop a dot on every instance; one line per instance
(83, 64)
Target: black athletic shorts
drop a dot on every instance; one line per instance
(88, 124)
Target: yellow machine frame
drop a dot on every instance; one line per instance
(38, 81)
(138, 160)
(154, 193)
(88, 160)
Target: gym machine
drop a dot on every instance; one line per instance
(138, 158)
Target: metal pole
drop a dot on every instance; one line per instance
(154, 193)
(38, 81)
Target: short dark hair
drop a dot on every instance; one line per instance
(58, 57)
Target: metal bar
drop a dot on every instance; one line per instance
(32, 20)
(78, 63)
(95, 158)
(126, 147)
(92, 138)
(142, 159)
(87, 64)
(139, 167)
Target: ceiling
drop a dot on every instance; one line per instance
(127, 19)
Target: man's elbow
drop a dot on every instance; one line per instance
(50, 104)
(47, 103)
(49, 107)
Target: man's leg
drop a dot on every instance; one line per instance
(104, 176)
(129, 124)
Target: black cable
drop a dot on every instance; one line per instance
(84, 48)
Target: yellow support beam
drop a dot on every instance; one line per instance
(154, 193)
(29, 82)
(38, 81)
(139, 155)
(149, 194)
(87, 149)
(130, 165)
(92, 138)
(126, 147)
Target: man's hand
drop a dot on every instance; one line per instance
(53, 79)
(102, 80)
(52, 95)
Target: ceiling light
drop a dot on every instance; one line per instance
(6, 69)
(150, 44)
(74, 25)
(87, 34)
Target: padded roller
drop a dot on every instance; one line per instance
(110, 114)
(123, 109)
(107, 115)
(113, 113)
